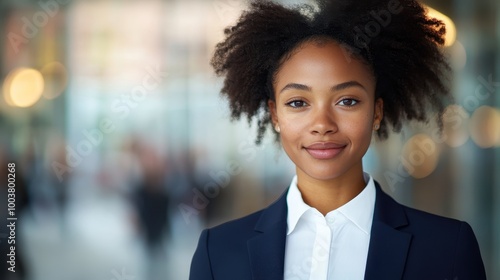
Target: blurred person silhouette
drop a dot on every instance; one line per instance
(151, 202)
(326, 79)
(182, 178)
(48, 183)
(217, 207)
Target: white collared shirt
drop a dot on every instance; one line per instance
(330, 247)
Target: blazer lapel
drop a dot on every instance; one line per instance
(388, 247)
(267, 249)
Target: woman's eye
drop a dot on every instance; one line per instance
(296, 103)
(348, 102)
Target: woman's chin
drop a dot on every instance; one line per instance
(321, 175)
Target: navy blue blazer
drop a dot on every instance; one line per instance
(405, 244)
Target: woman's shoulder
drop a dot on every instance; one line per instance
(428, 226)
(422, 225)
(231, 237)
(244, 223)
(251, 224)
(413, 219)
(424, 218)
(451, 241)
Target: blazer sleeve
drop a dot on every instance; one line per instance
(468, 262)
(200, 265)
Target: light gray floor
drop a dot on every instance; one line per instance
(98, 241)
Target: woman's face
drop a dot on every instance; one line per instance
(325, 110)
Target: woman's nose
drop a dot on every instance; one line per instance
(323, 121)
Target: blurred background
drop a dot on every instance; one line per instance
(124, 150)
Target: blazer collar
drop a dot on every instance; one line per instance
(267, 249)
(389, 246)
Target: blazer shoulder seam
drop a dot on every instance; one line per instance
(208, 253)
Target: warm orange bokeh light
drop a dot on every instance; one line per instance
(455, 125)
(55, 76)
(451, 30)
(485, 127)
(420, 156)
(23, 87)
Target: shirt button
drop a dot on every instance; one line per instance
(330, 219)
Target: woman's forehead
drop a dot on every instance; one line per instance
(315, 63)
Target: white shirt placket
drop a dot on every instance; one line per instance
(321, 250)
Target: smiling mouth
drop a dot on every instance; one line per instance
(325, 150)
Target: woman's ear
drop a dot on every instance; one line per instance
(379, 113)
(274, 116)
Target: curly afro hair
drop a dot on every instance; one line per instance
(395, 38)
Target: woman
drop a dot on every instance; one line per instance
(326, 79)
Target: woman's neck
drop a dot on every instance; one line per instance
(328, 195)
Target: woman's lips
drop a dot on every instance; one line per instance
(325, 150)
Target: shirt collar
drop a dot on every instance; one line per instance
(359, 210)
(296, 206)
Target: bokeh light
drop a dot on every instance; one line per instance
(458, 56)
(451, 30)
(420, 156)
(55, 77)
(455, 125)
(23, 87)
(485, 127)
(497, 144)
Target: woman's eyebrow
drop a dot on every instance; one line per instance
(345, 85)
(296, 86)
(338, 87)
